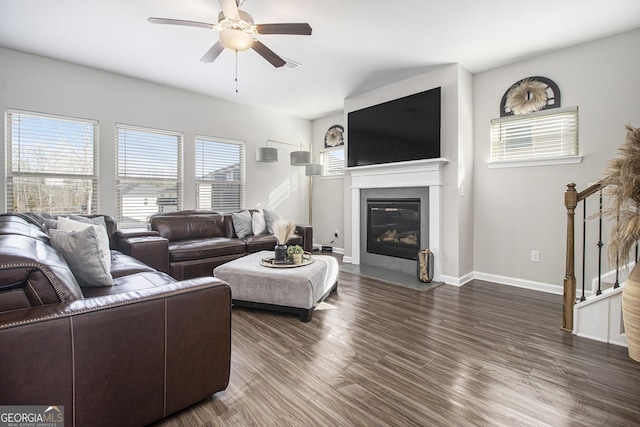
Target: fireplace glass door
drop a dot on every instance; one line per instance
(393, 227)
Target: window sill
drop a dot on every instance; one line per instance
(323, 177)
(535, 162)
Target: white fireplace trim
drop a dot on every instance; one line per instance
(417, 173)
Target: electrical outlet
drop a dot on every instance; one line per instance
(535, 256)
(336, 233)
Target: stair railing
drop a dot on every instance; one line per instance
(571, 200)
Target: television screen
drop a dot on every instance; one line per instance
(403, 129)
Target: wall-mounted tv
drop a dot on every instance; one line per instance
(403, 129)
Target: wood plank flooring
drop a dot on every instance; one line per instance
(376, 354)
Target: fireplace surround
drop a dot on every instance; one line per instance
(419, 178)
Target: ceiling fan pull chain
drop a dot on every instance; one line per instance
(236, 71)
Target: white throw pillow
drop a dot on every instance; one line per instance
(66, 224)
(258, 224)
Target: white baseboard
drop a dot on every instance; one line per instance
(519, 283)
(457, 281)
(503, 280)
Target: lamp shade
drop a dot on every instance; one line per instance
(300, 158)
(313, 169)
(235, 39)
(266, 154)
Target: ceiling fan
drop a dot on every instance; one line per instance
(237, 32)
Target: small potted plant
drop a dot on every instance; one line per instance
(295, 253)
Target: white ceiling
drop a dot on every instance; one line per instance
(356, 45)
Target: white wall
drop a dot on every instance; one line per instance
(520, 209)
(34, 83)
(328, 192)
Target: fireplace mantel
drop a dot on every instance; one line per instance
(417, 173)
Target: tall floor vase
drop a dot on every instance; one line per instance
(631, 312)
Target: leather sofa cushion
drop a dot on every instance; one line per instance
(195, 226)
(261, 242)
(132, 282)
(266, 242)
(204, 248)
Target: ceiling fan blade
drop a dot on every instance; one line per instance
(213, 53)
(230, 9)
(180, 22)
(268, 54)
(301, 29)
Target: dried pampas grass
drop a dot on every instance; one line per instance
(622, 181)
(283, 230)
(527, 97)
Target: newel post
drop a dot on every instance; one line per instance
(569, 284)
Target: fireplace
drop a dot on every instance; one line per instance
(403, 180)
(393, 227)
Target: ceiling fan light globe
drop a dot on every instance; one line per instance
(235, 39)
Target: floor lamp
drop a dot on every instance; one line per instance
(311, 170)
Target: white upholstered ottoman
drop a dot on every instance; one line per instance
(294, 290)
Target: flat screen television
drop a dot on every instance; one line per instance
(403, 129)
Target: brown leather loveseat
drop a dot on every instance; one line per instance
(199, 241)
(127, 354)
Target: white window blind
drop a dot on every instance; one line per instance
(52, 164)
(219, 174)
(547, 134)
(333, 162)
(149, 173)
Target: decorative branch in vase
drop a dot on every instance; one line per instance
(283, 230)
(622, 181)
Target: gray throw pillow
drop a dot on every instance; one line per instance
(67, 224)
(269, 218)
(84, 255)
(242, 224)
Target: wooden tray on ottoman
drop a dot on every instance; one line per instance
(272, 263)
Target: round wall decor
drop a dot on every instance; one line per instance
(334, 136)
(529, 95)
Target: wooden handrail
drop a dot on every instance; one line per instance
(593, 188)
(571, 199)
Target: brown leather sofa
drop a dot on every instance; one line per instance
(127, 354)
(199, 241)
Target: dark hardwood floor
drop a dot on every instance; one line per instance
(376, 354)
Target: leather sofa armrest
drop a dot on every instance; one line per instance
(126, 233)
(306, 231)
(147, 247)
(147, 353)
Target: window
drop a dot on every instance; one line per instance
(149, 173)
(52, 164)
(548, 134)
(333, 161)
(219, 174)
